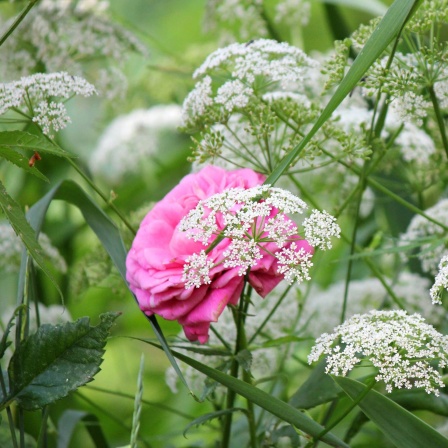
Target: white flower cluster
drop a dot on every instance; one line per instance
(402, 347)
(69, 35)
(441, 282)
(420, 228)
(11, 247)
(34, 96)
(235, 20)
(131, 139)
(259, 66)
(322, 310)
(252, 219)
(319, 228)
(292, 12)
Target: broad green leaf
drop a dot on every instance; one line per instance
(386, 31)
(374, 7)
(21, 161)
(404, 429)
(417, 400)
(26, 233)
(317, 389)
(266, 401)
(31, 142)
(106, 231)
(67, 424)
(56, 360)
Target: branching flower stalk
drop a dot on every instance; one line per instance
(239, 316)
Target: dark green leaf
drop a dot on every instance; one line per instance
(26, 233)
(56, 360)
(31, 142)
(106, 231)
(317, 389)
(414, 400)
(404, 429)
(21, 161)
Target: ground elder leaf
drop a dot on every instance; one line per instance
(56, 360)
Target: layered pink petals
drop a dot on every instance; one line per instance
(157, 256)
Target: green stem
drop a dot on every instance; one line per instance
(439, 117)
(41, 441)
(102, 195)
(17, 22)
(344, 414)
(239, 316)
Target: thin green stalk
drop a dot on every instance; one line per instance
(239, 316)
(146, 402)
(439, 117)
(361, 184)
(17, 22)
(344, 414)
(102, 196)
(42, 439)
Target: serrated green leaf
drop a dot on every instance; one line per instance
(21, 161)
(56, 360)
(386, 31)
(266, 401)
(26, 233)
(106, 231)
(404, 429)
(31, 142)
(319, 388)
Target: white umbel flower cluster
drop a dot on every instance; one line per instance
(255, 67)
(402, 347)
(441, 282)
(68, 35)
(35, 95)
(131, 139)
(254, 222)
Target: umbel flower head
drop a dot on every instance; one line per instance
(252, 223)
(403, 348)
(36, 95)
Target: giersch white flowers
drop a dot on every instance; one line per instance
(254, 221)
(403, 348)
(35, 97)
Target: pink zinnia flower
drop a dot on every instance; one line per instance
(155, 262)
